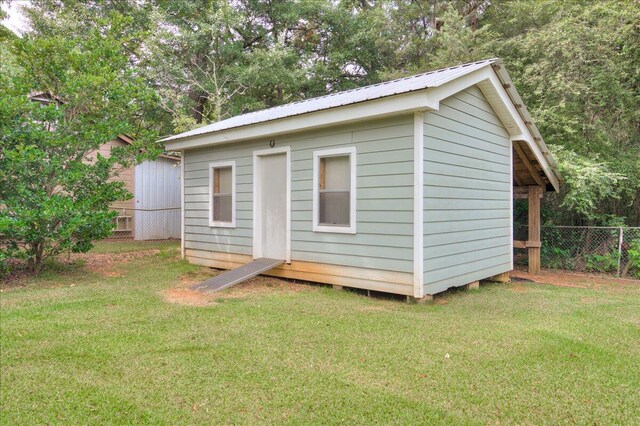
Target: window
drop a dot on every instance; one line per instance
(334, 190)
(222, 187)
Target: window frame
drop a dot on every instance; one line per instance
(212, 167)
(335, 152)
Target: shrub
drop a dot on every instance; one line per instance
(607, 262)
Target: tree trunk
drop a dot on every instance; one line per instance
(35, 261)
(200, 99)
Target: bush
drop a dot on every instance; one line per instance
(556, 258)
(607, 262)
(633, 259)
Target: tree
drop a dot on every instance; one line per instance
(213, 59)
(54, 188)
(576, 67)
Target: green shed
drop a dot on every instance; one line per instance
(405, 187)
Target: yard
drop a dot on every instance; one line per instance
(106, 343)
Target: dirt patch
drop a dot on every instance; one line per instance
(375, 308)
(108, 264)
(69, 266)
(574, 280)
(517, 287)
(261, 285)
(184, 296)
(440, 301)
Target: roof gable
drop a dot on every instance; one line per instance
(422, 92)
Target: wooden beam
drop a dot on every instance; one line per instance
(500, 278)
(522, 192)
(527, 163)
(420, 300)
(516, 179)
(534, 228)
(471, 286)
(526, 244)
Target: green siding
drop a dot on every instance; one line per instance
(384, 238)
(467, 194)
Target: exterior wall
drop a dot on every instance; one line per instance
(382, 248)
(157, 200)
(467, 193)
(125, 176)
(124, 207)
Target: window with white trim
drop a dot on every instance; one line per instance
(334, 190)
(222, 190)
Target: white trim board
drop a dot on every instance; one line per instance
(257, 218)
(511, 199)
(418, 205)
(317, 155)
(219, 165)
(182, 224)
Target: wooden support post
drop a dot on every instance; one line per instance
(500, 278)
(420, 300)
(534, 228)
(472, 286)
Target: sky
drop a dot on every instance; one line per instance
(15, 20)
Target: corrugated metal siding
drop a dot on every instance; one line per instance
(467, 203)
(157, 200)
(384, 197)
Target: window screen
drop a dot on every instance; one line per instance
(334, 190)
(222, 194)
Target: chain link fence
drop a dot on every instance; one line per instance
(138, 228)
(607, 250)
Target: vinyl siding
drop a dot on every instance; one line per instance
(125, 176)
(384, 206)
(467, 193)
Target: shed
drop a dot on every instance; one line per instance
(154, 211)
(404, 187)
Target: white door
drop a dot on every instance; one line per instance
(272, 200)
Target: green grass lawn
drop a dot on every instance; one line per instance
(82, 347)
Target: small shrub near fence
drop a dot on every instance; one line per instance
(606, 250)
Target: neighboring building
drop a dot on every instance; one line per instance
(154, 211)
(404, 187)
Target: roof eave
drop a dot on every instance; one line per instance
(536, 137)
(403, 103)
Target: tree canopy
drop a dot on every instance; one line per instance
(55, 189)
(576, 65)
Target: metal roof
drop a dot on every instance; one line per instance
(361, 94)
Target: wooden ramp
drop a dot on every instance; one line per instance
(238, 275)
